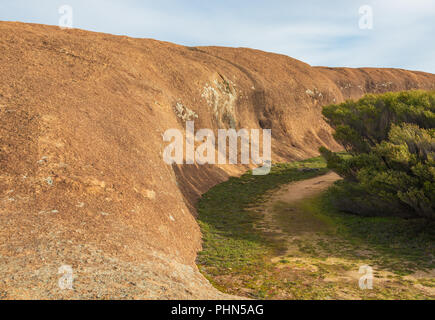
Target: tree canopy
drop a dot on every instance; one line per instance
(390, 166)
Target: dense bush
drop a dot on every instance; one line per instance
(390, 167)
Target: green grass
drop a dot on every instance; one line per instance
(399, 245)
(230, 241)
(240, 259)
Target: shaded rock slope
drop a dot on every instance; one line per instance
(82, 180)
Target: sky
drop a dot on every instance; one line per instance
(327, 33)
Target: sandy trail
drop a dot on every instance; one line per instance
(299, 235)
(289, 194)
(300, 190)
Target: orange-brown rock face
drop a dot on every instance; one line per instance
(83, 182)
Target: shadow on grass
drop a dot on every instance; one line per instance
(399, 245)
(236, 256)
(230, 241)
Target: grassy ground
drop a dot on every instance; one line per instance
(318, 251)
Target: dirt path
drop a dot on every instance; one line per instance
(285, 197)
(305, 189)
(294, 246)
(310, 253)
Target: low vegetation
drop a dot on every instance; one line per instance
(391, 142)
(231, 241)
(381, 214)
(318, 251)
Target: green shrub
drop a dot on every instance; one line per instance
(391, 142)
